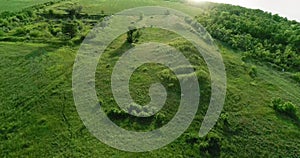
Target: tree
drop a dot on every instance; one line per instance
(287, 108)
(70, 29)
(133, 34)
(74, 11)
(51, 13)
(211, 144)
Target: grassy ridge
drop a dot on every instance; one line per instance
(18, 5)
(39, 118)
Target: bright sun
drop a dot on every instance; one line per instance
(198, 1)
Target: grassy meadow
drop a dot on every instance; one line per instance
(38, 46)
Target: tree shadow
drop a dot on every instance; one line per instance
(40, 51)
(120, 50)
(294, 119)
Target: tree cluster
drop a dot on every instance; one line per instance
(265, 37)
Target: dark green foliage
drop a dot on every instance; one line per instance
(211, 145)
(1, 33)
(287, 108)
(6, 14)
(132, 35)
(54, 30)
(296, 77)
(160, 120)
(117, 114)
(266, 37)
(4, 22)
(70, 29)
(35, 33)
(74, 11)
(120, 116)
(253, 72)
(51, 13)
(20, 31)
(225, 121)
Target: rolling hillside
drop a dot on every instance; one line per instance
(39, 45)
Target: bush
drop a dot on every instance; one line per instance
(133, 35)
(20, 31)
(1, 33)
(167, 75)
(212, 144)
(4, 22)
(160, 120)
(69, 29)
(54, 31)
(35, 33)
(253, 72)
(287, 108)
(116, 113)
(296, 77)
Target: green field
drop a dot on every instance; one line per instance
(37, 52)
(18, 5)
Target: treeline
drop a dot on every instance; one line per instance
(261, 35)
(38, 23)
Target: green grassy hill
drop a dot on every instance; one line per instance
(18, 5)
(39, 118)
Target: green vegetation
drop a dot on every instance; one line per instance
(17, 5)
(133, 35)
(211, 146)
(287, 108)
(38, 48)
(296, 77)
(262, 36)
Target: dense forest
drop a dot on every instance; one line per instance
(263, 36)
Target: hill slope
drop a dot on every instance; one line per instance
(39, 118)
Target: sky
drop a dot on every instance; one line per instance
(284, 8)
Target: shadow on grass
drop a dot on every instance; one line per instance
(40, 51)
(120, 50)
(290, 118)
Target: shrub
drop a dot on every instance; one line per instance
(192, 139)
(20, 31)
(4, 22)
(287, 108)
(253, 72)
(116, 113)
(296, 77)
(1, 33)
(35, 33)
(21, 16)
(167, 75)
(74, 11)
(212, 144)
(54, 31)
(133, 34)
(160, 119)
(70, 29)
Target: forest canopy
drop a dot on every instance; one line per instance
(263, 36)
